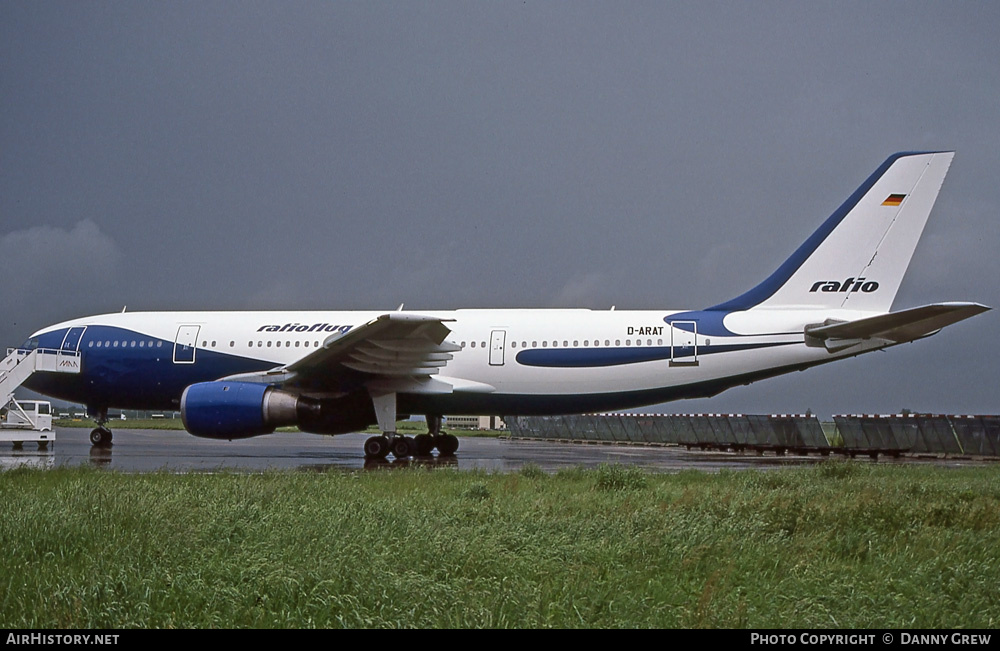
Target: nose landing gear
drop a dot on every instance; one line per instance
(101, 436)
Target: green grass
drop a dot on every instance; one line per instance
(838, 545)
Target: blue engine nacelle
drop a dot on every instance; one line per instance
(237, 410)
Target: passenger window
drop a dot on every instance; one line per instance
(473, 344)
(513, 344)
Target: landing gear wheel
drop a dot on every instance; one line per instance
(377, 447)
(101, 437)
(447, 444)
(403, 447)
(424, 444)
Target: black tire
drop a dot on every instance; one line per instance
(447, 445)
(424, 444)
(403, 447)
(377, 447)
(101, 437)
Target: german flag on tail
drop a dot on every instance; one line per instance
(894, 200)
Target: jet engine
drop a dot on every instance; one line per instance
(237, 410)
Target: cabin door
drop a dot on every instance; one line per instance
(71, 341)
(185, 344)
(498, 340)
(684, 343)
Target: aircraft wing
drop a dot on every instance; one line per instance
(898, 327)
(395, 344)
(398, 351)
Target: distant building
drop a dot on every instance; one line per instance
(474, 422)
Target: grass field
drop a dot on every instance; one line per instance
(838, 545)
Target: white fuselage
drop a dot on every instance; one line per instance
(509, 362)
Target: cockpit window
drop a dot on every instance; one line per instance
(31, 344)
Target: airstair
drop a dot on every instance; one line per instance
(20, 424)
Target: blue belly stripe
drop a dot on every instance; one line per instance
(597, 357)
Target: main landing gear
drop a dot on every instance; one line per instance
(422, 445)
(101, 436)
(446, 444)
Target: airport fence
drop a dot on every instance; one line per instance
(851, 435)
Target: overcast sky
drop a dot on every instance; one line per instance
(358, 155)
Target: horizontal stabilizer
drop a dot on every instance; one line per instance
(899, 327)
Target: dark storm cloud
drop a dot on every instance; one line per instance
(359, 155)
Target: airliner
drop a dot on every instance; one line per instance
(234, 375)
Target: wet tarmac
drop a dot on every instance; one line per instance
(177, 451)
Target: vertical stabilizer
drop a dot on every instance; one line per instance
(857, 258)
